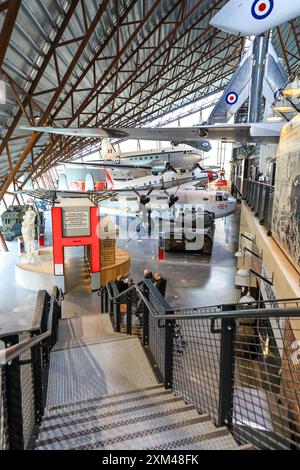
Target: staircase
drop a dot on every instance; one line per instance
(103, 394)
(152, 418)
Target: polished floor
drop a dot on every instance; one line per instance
(193, 280)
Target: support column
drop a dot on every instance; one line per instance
(260, 50)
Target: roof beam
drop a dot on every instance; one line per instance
(8, 26)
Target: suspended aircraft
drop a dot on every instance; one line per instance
(261, 133)
(254, 17)
(157, 160)
(238, 89)
(167, 179)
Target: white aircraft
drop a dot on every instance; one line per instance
(254, 17)
(187, 198)
(158, 160)
(165, 180)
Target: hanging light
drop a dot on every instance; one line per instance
(239, 254)
(292, 90)
(283, 106)
(246, 298)
(243, 272)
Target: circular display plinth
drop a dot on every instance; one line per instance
(39, 274)
(121, 266)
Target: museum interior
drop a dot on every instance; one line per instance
(149, 225)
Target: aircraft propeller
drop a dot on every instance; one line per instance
(169, 167)
(197, 165)
(144, 198)
(172, 197)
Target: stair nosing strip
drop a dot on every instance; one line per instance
(98, 404)
(118, 424)
(111, 413)
(218, 432)
(85, 345)
(168, 427)
(107, 397)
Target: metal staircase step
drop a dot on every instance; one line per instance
(107, 438)
(89, 340)
(100, 369)
(85, 326)
(158, 434)
(107, 401)
(114, 411)
(216, 439)
(98, 424)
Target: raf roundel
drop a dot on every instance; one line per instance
(261, 9)
(231, 98)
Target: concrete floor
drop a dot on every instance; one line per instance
(193, 280)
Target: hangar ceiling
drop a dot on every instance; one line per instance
(112, 63)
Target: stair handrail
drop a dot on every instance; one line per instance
(247, 313)
(137, 288)
(11, 352)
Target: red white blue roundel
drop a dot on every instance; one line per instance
(232, 98)
(262, 8)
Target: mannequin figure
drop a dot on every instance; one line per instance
(28, 233)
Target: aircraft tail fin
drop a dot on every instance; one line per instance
(109, 180)
(107, 150)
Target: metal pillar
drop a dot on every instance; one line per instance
(260, 50)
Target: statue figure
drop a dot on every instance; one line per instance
(28, 233)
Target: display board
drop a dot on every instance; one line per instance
(286, 208)
(76, 221)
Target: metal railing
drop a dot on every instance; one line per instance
(239, 363)
(24, 365)
(260, 198)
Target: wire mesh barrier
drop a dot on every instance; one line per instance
(260, 198)
(136, 311)
(243, 368)
(238, 363)
(24, 362)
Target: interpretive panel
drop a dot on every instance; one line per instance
(76, 221)
(286, 208)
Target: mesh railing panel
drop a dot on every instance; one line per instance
(266, 404)
(157, 341)
(4, 444)
(196, 364)
(28, 394)
(260, 198)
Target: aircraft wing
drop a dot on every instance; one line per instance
(108, 164)
(254, 17)
(263, 133)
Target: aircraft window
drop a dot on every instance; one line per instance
(173, 179)
(162, 198)
(156, 156)
(205, 199)
(219, 198)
